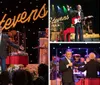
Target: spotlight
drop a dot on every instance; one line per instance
(30, 2)
(24, 9)
(53, 47)
(9, 10)
(60, 52)
(1, 2)
(58, 7)
(68, 47)
(52, 5)
(16, 6)
(19, 1)
(6, 8)
(36, 5)
(2, 12)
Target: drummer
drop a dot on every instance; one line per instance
(77, 60)
(77, 63)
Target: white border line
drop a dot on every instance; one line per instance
(49, 42)
(73, 42)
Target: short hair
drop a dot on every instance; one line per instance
(42, 69)
(92, 55)
(20, 77)
(68, 50)
(79, 6)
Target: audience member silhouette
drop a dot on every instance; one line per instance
(4, 78)
(43, 75)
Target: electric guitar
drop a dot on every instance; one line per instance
(76, 20)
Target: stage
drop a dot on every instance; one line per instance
(83, 81)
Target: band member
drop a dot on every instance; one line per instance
(61, 35)
(92, 67)
(78, 24)
(65, 67)
(53, 68)
(4, 39)
(89, 26)
(77, 60)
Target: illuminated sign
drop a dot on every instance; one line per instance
(23, 17)
(55, 20)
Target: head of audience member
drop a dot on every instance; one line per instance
(43, 75)
(69, 53)
(42, 70)
(5, 78)
(79, 8)
(92, 56)
(21, 67)
(20, 77)
(54, 58)
(30, 78)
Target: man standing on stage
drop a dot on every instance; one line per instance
(92, 67)
(65, 67)
(4, 39)
(78, 23)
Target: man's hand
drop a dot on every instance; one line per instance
(21, 47)
(87, 60)
(70, 64)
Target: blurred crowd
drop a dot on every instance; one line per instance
(22, 76)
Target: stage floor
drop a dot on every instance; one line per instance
(82, 81)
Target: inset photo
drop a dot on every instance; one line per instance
(24, 42)
(74, 64)
(74, 21)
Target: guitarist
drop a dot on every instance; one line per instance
(78, 25)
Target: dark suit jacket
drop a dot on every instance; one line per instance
(81, 15)
(67, 73)
(91, 67)
(3, 45)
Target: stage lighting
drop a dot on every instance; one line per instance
(64, 9)
(53, 47)
(79, 48)
(19, 1)
(58, 7)
(68, 47)
(53, 7)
